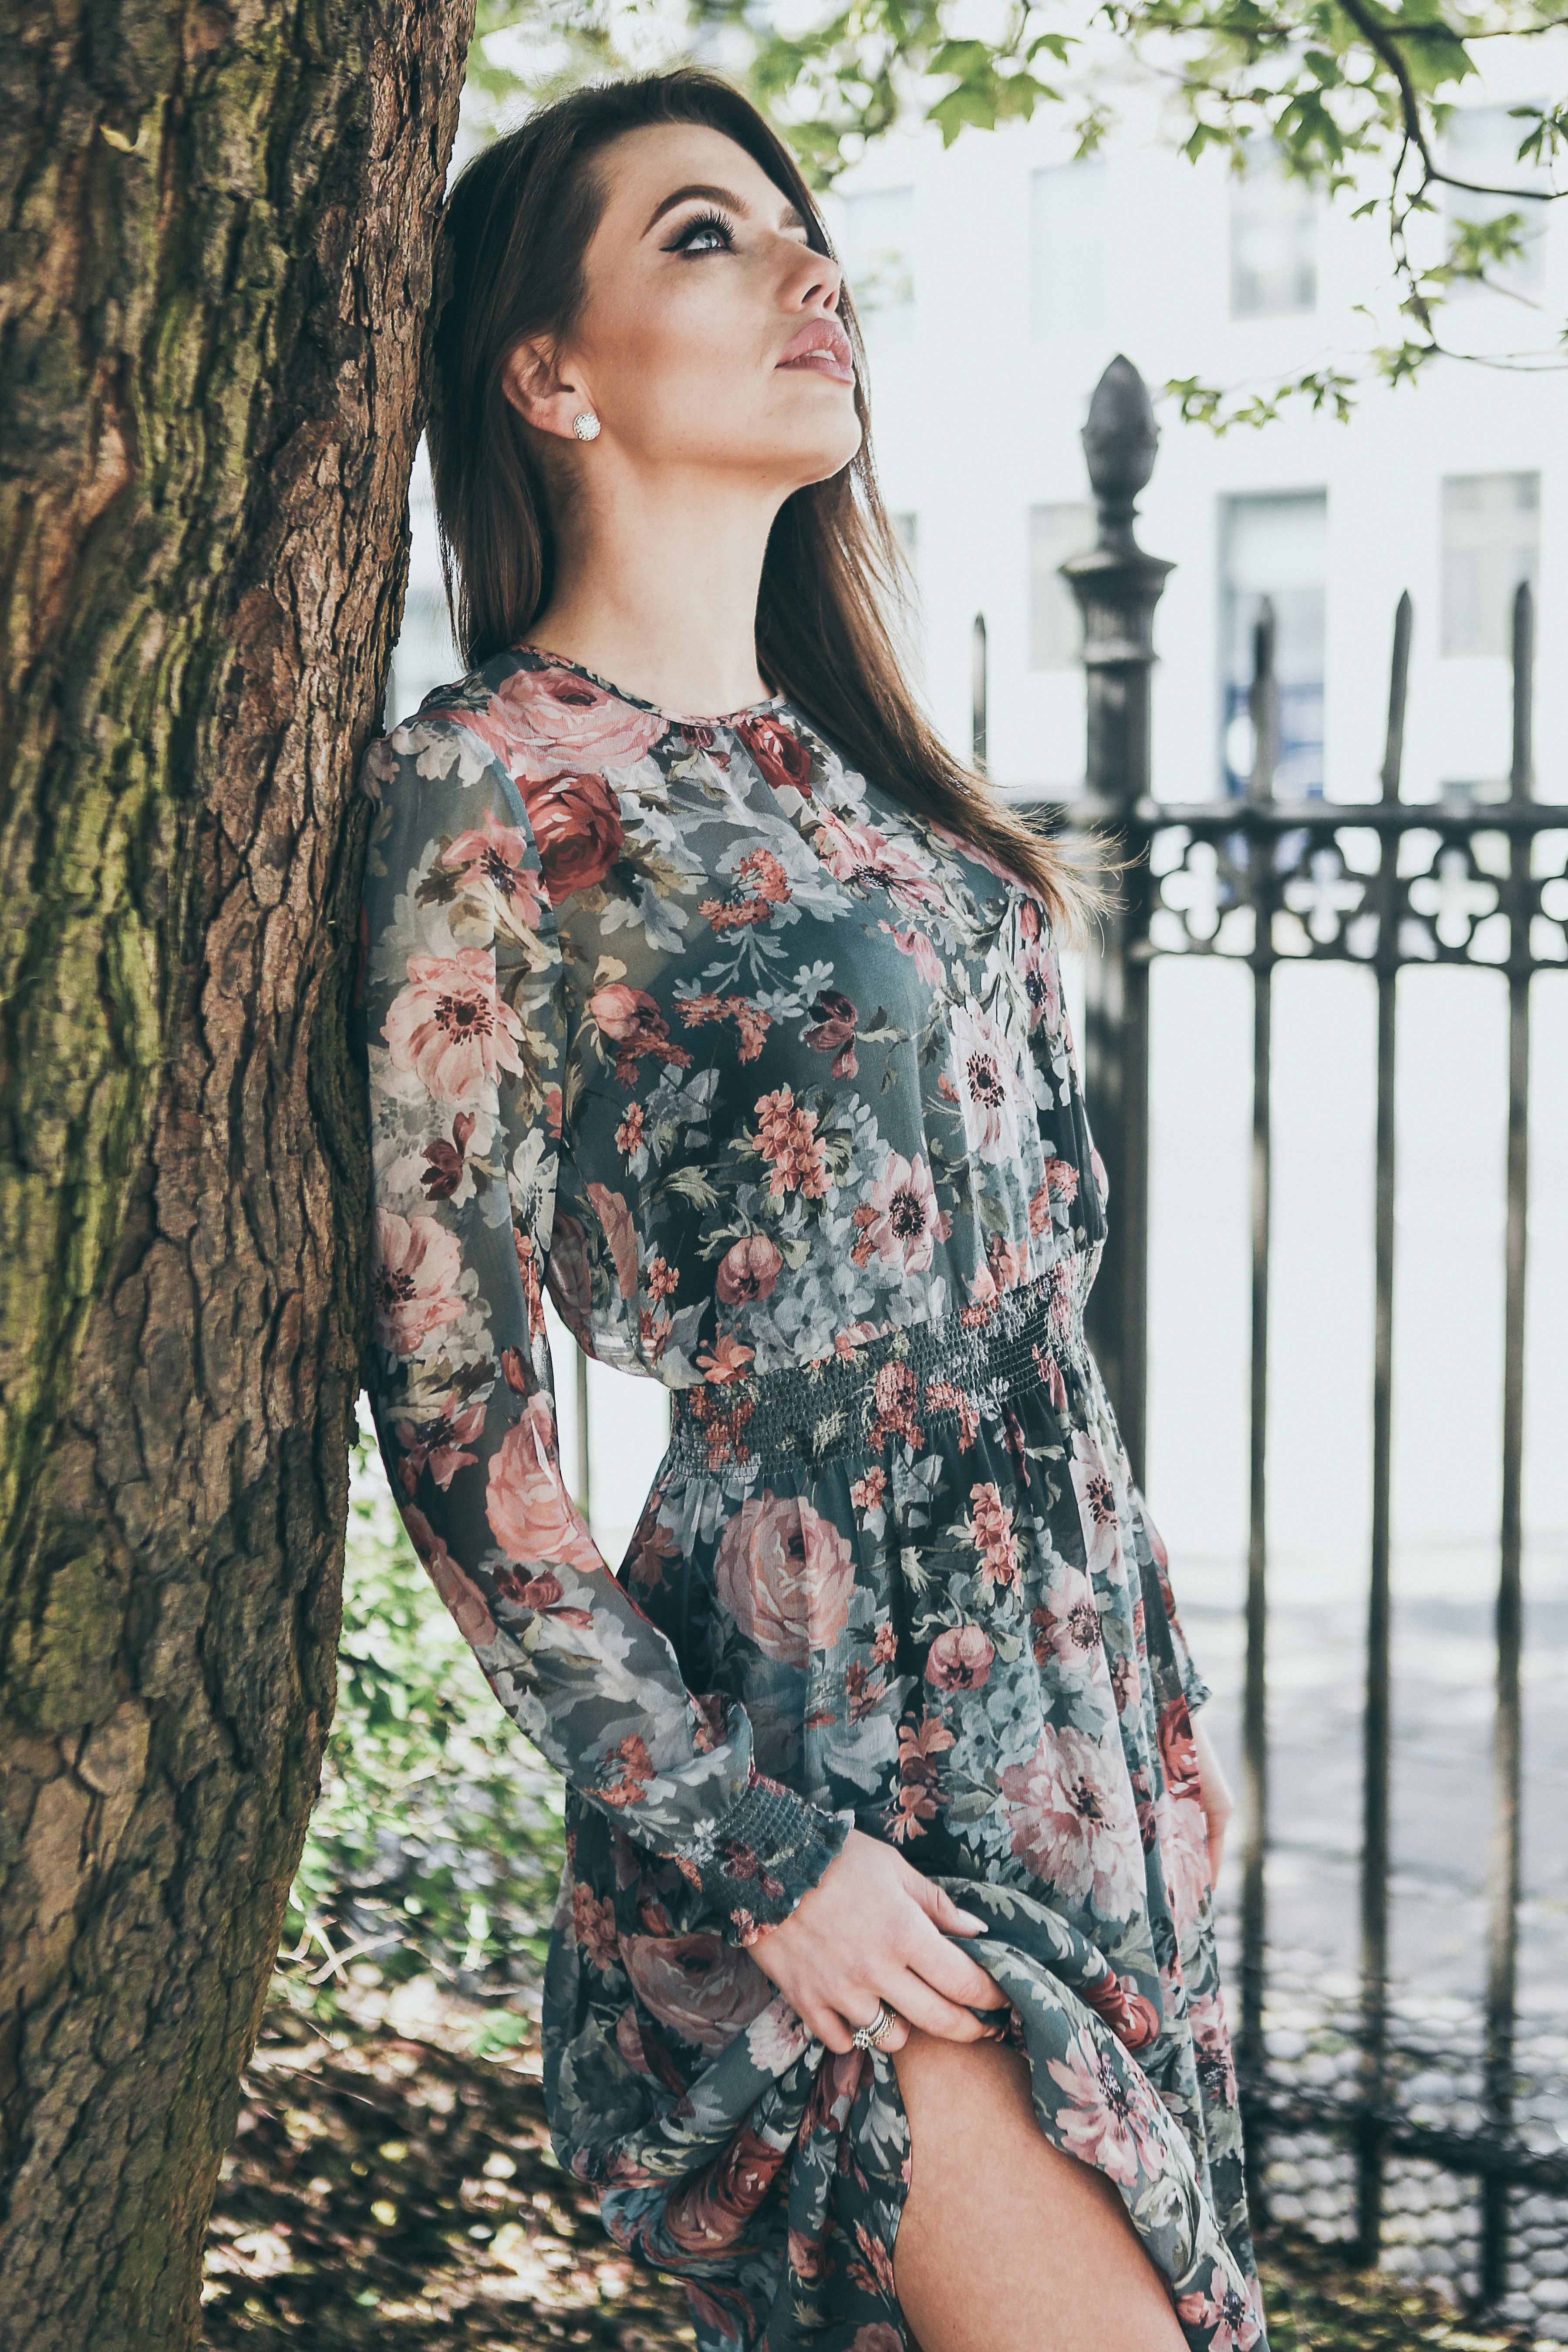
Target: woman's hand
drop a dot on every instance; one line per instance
(1215, 1797)
(873, 1929)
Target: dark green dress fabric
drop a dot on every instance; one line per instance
(771, 1084)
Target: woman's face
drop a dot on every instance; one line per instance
(709, 335)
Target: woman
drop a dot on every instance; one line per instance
(881, 2003)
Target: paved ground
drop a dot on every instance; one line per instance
(388, 2188)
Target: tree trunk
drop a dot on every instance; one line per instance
(217, 222)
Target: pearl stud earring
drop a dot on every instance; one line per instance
(585, 425)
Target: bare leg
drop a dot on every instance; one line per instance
(1006, 2244)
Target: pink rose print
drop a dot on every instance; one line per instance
(1110, 2120)
(781, 755)
(499, 851)
(415, 1268)
(529, 1513)
(749, 1270)
(1132, 2017)
(713, 2209)
(630, 1019)
(540, 722)
(1224, 2307)
(960, 1659)
(900, 1218)
(919, 945)
(979, 856)
(987, 1083)
(1072, 1824)
(787, 1575)
(776, 2037)
(698, 1985)
(450, 1030)
(1179, 1749)
(576, 822)
(620, 1232)
(470, 1612)
(1184, 1844)
(861, 855)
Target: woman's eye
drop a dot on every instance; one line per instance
(708, 233)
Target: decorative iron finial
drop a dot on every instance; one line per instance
(1120, 440)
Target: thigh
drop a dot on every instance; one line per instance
(1007, 2244)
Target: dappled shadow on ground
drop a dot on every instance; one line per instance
(388, 2187)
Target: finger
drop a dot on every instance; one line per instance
(915, 2001)
(897, 2034)
(950, 1971)
(830, 2030)
(940, 1909)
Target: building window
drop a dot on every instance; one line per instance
(1480, 143)
(877, 253)
(1491, 536)
(1274, 546)
(1056, 624)
(1273, 241)
(1067, 245)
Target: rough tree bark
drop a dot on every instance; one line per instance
(215, 223)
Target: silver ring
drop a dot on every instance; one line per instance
(872, 2036)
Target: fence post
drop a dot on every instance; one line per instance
(1502, 1959)
(1117, 586)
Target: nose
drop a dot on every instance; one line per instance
(813, 281)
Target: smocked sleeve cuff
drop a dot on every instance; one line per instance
(757, 1861)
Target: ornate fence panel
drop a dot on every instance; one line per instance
(1385, 884)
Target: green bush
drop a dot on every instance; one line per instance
(436, 1844)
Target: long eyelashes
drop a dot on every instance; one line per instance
(712, 224)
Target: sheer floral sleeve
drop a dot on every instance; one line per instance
(465, 1031)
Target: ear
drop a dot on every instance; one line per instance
(543, 393)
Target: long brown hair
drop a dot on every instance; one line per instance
(516, 227)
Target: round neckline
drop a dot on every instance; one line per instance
(639, 702)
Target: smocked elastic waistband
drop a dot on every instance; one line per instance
(900, 1384)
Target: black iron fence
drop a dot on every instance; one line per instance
(1385, 884)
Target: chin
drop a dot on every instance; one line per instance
(817, 457)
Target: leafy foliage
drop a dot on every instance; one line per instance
(437, 1841)
(1349, 96)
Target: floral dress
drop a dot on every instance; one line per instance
(770, 1083)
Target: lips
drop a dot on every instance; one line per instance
(820, 348)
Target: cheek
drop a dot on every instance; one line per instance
(669, 359)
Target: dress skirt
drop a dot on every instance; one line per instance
(1015, 1716)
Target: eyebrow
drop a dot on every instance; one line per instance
(794, 218)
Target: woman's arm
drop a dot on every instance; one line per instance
(1215, 1797)
(465, 1031)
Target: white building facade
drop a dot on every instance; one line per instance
(998, 278)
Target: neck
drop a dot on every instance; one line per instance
(656, 589)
